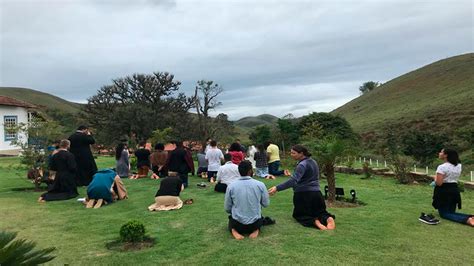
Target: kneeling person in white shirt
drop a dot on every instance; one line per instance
(228, 173)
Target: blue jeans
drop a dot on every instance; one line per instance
(451, 214)
(273, 168)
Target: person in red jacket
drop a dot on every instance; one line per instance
(235, 151)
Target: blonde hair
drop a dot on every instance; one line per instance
(64, 143)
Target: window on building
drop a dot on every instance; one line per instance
(9, 124)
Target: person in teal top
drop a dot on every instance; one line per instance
(101, 188)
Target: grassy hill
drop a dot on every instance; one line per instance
(44, 100)
(253, 121)
(437, 97)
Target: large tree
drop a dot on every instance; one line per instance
(329, 125)
(136, 106)
(205, 100)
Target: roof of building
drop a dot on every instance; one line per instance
(4, 100)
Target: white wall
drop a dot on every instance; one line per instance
(22, 117)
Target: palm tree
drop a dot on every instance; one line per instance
(21, 251)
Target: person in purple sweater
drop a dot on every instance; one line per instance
(309, 206)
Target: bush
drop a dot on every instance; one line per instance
(366, 170)
(400, 166)
(133, 231)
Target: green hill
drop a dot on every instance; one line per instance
(41, 99)
(438, 97)
(253, 121)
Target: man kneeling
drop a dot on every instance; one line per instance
(243, 200)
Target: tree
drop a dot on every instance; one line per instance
(368, 86)
(137, 105)
(329, 125)
(21, 251)
(205, 100)
(288, 131)
(423, 145)
(33, 139)
(162, 135)
(260, 134)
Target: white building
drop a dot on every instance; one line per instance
(12, 113)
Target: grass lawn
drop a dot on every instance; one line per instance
(385, 231)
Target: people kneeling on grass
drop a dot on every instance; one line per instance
(106, 187)
(309, 206)
(446, 193)
(64, 184)
(228, 173)
(167, 196)
(243, 200)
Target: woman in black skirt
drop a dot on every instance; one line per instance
(309, 206)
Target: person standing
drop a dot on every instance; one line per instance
(180, 163)
(80, 148)
(446, 194)
(309, 206)
(273, 159)
(214, 158)
(122, 158)
(244, 200)
(64, 184)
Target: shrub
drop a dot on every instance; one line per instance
(133, 231)
(367, 171)
(400, 166)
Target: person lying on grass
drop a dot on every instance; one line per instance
(106, 187)
(243, 201)
(167, 196)
(309, 206)
(446, 193)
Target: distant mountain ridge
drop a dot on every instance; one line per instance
(41, 99)
(253, 121)
(438, 97)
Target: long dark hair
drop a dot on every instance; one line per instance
(118, 150)
(452, 156)
(235, 147)
(301, 149)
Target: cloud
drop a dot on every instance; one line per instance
(265, 54)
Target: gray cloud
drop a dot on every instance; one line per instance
(270, 56)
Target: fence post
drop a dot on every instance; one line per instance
(364, 159)
(414, 166)
(427, 172)
(471, 175)
(385, 163)
(370, 161)
(360, 160)
(377, 163)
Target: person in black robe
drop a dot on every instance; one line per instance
(80, 147)
(64, 184)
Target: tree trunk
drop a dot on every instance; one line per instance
(331, 182)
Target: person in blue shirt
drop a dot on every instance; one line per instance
(309, 206)
(106, 187)
(243, 201)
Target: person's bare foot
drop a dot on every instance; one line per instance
(41, 200)
(254, 234)
(90, 203)
(470, 221)
(331, 224)
(319, 225)
(98, 204)
(236, 235)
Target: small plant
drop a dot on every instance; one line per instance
(133, 231)
(366, 170)
(400, 166)
(21, 251)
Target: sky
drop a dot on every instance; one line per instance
(273, 57)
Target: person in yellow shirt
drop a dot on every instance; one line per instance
(273, 153)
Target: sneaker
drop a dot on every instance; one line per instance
(428, 219)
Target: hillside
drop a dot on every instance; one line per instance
(436, 97)
(253, 121)
(40, 99)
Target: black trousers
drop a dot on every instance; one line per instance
(220, 187)
(244, 228)
(309, 206)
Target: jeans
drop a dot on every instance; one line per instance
(451, 214)
(273, 168)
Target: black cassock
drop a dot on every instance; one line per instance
(64, 185)
(86, 167)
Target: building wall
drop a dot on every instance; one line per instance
(22, 117)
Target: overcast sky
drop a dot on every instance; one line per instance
(273, 57)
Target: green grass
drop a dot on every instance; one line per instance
(40, 98)
(386, 231)
(439, 95)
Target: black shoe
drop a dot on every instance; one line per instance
(268, 221)
(428, 219)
